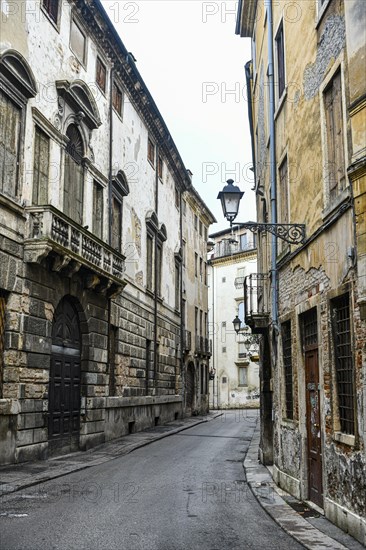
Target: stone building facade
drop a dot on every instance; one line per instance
(197, 348)
(307, 117)
(235, 384)
(91, 185)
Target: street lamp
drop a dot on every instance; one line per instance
(237, 324)
(230, 196)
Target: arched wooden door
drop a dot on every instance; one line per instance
(64, 384)
(190, 386)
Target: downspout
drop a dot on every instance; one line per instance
(110, 159)
(182, 321)
(156, 271)
(110, 168)
(272, 152)
(249, 77)
(213, 333)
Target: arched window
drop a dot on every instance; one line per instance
(74, 175)
(17, 86)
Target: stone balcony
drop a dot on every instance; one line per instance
(63, 246)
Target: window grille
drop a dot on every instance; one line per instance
(310, 329)
(344, 364)
(287, 367)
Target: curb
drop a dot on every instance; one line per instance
(269, 497)
(102, 457)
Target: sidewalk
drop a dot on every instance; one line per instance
(16, 477)
(315, 532)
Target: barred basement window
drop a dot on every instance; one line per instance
(344, 364)
(287, 367)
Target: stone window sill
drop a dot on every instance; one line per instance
(346, 439)
(289, 423)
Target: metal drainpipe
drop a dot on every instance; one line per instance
(182, 321)
(110, 159)
(156, 270)
(272, 149)
(110, 207)
(213, 333)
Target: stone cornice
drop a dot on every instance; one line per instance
(100, 26)
(236, 258)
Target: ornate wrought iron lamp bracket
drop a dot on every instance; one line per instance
(292, 233)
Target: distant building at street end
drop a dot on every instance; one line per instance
(235, 360)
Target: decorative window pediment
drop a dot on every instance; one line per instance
(162, 235)
(17, 71)
(120, 184)
(78, 95)
(152, 221)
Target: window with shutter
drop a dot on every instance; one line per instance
(149, 262)
(40, 167)
(10, 121)
(78, 41)
(101, 75)
(116, 223)
(243, 378)
(117, 99)
(97, 209)
(51, 7)
(334, 136)
(280, 51)
(74, 175)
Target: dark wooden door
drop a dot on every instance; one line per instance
(190, 386)
(313, 427)
(64, 384)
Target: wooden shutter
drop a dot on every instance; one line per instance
(74, 176)
(335, 137)
(97, 209)
(40, 167)
(10, 118)
(116, 223)
(338, 131)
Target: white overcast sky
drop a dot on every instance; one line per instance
(190, 59)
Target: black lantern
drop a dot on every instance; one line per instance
(237, 324)
(230, 198)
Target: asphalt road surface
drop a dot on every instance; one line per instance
(184, 492)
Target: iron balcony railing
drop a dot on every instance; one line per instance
(256, 298)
